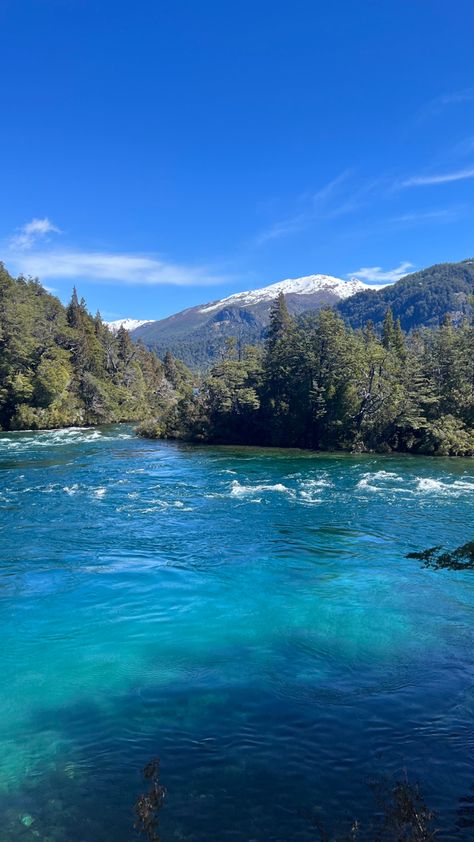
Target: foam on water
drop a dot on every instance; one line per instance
(238, 490)
(456, 488)
(380, 481)
(25, 440)
(225, 610)
(71, 489)
(311, 490)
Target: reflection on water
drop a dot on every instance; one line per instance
(248, 616)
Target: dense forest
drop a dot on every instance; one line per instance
(421, 299)
(59, 366)
(315, 383)
(198, 335)
(318, 383)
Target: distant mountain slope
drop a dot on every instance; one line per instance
(198, 335)
(420, 299)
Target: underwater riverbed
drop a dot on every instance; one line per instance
(249, 616)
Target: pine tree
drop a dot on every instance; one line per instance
(277, 369)
(280, 321)
(126, 348)
(388, 330)
(368, 332)
(74, 309)
(399, 340)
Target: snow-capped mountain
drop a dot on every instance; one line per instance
(128, 324)
(198, 335)
(308, 285)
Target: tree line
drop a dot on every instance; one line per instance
(418, 300)
(315, 383)
(60, 366)
(320, 384)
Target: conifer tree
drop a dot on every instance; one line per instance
(280, 321)
(388, 330)
(73, 309)
(277, 367)
(399, 340)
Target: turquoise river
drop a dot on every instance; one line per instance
(249, 617)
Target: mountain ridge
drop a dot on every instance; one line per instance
(420, 299)
(198, 335)
(305, 285)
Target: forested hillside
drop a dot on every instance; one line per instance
(60, 366)
(319, 384)
(418, 300)
(199, 335)
(315, 383)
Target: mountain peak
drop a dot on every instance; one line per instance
(128, 324)
(307, 285)
(198, 335)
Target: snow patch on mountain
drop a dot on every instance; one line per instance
(307, 285)
(128, 324)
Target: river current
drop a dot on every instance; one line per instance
(249, 617)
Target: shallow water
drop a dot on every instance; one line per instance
(248, 616)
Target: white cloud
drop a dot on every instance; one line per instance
(109, 267)
(441, 178)
(377, 275)
(32, 232)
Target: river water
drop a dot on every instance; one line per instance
(248, 616)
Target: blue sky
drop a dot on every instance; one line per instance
(161, 154)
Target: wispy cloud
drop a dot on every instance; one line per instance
(439, 103)
(455, 97)
(109, 267)
(463, 148)
(32, 232)
(439, 178)
(377, 275)
(283, 228)
(417, 217)
(325, 202)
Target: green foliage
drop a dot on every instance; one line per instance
(319, 384)
(200, 339)
(198, 335)
(418, 300)
(59, 366)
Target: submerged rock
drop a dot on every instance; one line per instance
(438, 559)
